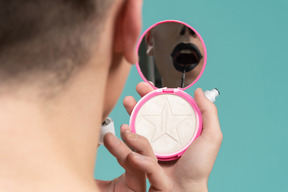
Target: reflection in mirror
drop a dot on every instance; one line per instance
(171, 55)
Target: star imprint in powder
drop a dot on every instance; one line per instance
(166, 123)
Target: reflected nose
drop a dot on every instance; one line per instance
(185, 30)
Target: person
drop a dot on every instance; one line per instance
(174, 47)
(63, 65)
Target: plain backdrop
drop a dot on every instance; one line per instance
(247, 61)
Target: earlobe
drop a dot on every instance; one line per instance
(127, 29)
(149, 51)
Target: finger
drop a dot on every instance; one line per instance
(137, 142)
(117, 148)
(129, 103)
(124, 128)
(159, 181)
(143, 88)
(211, 127)
(135, 178)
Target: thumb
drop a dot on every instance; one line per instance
(211, 128)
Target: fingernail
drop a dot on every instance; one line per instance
(131, 135)
(138, 156)
(200, 90)
(125, 126)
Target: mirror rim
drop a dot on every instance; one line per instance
(143, 36)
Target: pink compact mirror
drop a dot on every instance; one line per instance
(172, 57)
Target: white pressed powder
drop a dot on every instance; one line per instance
(168, 121)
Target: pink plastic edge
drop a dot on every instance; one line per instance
(176, 21)
(190, 100)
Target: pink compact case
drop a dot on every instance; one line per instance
(169, 117)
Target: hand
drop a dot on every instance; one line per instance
(191, 171)
(137, 164)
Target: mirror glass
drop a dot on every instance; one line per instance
(171, 54)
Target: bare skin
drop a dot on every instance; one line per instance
(190, 173)
(161, 40)
(51, 144)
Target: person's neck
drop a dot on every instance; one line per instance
(49, 145)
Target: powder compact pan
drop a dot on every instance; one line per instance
(172, 57)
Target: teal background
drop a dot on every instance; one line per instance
(247, 61)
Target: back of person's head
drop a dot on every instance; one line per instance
(47, 40)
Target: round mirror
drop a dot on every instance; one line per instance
(171, 54)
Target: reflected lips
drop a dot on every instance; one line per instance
(186, 56)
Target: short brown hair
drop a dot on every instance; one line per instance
(47, 36)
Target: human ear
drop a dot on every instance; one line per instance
(127, 29)
(149, 43)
